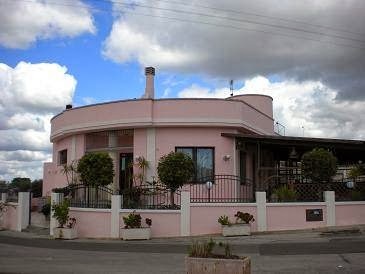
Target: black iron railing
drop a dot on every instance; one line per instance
(150, 197)
(85, 196)
(222, 189)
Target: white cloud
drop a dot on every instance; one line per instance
(125, 44)
(24, 22)
(30, 94)
(226, 53)
(310, 104)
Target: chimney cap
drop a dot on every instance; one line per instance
(68, 106)
(149, 70)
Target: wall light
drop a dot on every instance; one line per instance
(226, 157)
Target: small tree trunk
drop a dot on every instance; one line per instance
(172, 202)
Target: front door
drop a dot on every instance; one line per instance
(125, 171)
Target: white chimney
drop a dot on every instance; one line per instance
(150, 84)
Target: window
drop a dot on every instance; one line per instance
(62, 157)
(203, 158)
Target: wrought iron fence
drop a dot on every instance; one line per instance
(222, 189)
(150, 197)
(313, 192)
(85, 196)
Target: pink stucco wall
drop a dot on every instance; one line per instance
(92, 224)
(204, 219)
(168, 138)
(261, 102)
(350, 213)
(288, 217)
(10, 217)
(164, 224)
(163, 112)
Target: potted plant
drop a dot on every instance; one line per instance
(133, 229)
(66, 228)
(202, 260)
(242, 226)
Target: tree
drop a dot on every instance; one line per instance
(174, 170)
(37, 188)
(22, 184)
(96, 169)
(319, 165)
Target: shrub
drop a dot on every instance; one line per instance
(46, 208)
(244, 217)
(61, 211)
(204, 249)
(285, 194)
(96, 169)
(134, 220)
(224, 220)
(174, 170)
(319, 165)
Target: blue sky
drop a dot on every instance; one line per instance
(309, 57)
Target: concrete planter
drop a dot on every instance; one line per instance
(143, 233)
(217, 266)
(65, 233)
(236, 230)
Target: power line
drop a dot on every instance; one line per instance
(235, 19)
(204, 23)
(240, 12)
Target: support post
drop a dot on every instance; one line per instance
(261, 211)
(329, 198)
(23, 210)
(56, 198)
(114, 217)
(185, 214)
(4, 197)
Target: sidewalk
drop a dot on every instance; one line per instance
(323, 235)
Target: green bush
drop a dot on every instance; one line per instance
(133, 220)
(61, 211)
(245, 218)
(96, 169)
(175, 169)
(319, 165)
(224, 220)
(46, 208)
(285, 194)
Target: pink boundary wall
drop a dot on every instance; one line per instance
(92, 223)
(10, 217)
(292, 216)
(350, 213)
(165, 223)
(204, 218)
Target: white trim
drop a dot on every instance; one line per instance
(223, 204)
(350, 203)
(148, 122)
(115, 218)
(163, 211)
(329, 197)
(90, 209)
(23, 210)
(151, 154)
(261, 211)
(297, 204)
(185, 214)
(73, 148)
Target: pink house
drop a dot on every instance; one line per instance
(232, 136)
(240, 161)
(151, 127)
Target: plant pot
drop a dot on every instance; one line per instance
(217, 266)
(65, 233)
(236, 230)
(143, 233)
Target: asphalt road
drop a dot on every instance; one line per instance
(22, 255)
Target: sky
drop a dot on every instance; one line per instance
(308, 55)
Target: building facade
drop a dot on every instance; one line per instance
(151, 128)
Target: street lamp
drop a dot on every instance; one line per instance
(209, 185)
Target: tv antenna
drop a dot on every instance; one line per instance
(231, 87)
